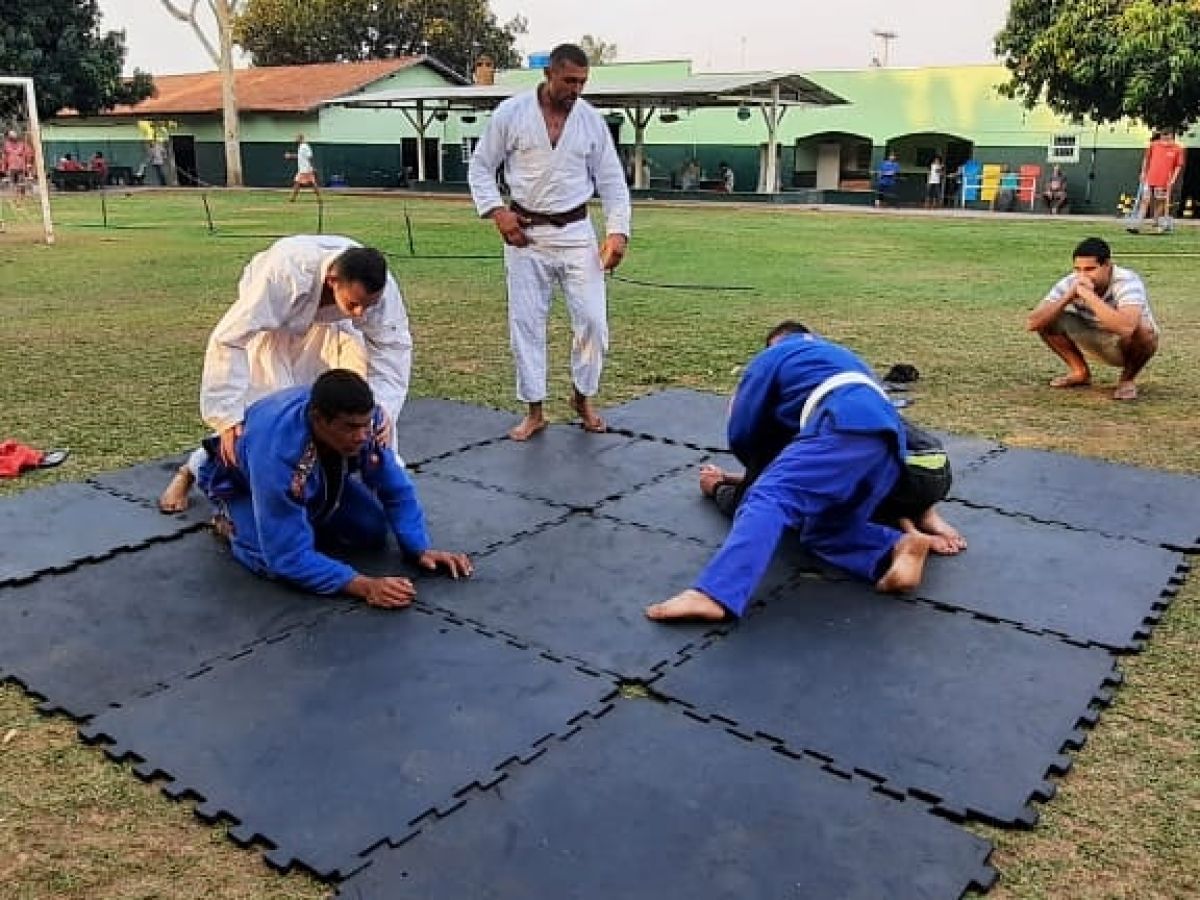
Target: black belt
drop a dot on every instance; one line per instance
(558, 220)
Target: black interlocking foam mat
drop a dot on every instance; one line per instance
(341, 735)
(970, 714)
(578, 589)
(1046, 577)
(428, 428)
(966, 452)
(680, 415)
(102, 633)
(1158, 507)
(567, 465)
(326, 729)
(145, 482)
(471, 518)
(58, 527)
(644, 804)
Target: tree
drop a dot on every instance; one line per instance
(598, 52)
(1106, 59)
(224, 13)
(457, 32)
(59, 44)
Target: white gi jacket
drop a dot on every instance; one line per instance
(266, 339)
(550, 179)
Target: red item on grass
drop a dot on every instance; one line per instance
(15, 458)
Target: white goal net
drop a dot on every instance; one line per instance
(24, 188)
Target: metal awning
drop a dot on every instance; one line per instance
(694, 92)
(771, 93)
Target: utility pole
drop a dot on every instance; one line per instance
(886, 37)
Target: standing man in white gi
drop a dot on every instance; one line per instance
(556, 151)
(306, 304)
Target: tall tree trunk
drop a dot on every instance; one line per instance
(222, 56)
(233, 146)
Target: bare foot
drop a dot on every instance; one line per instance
(710, 478)
(946, 539)
(689, 604)
(175, 498)
(1126, 390)
(589, 420)
(1071, 379)
(528, 427)
(908, 564)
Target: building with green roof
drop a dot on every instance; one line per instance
(823, 153)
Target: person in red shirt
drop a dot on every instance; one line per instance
(99, 164)
(16, 160)
(1160, 170)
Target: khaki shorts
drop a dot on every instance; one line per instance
(305, 179)
(1092, 340)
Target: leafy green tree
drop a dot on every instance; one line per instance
(1106, 59)
(457, 32)
(59, 44)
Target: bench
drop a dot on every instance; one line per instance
(85, 180)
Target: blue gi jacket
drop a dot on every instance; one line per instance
(766, 408)
(282, 495)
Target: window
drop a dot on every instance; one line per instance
(1064, 148)
(468, 149)
(862, 156)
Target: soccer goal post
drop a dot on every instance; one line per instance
(33, 136)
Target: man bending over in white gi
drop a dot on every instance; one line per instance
(556, 150)
(305, 304)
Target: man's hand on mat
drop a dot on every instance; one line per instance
(229, 439)
(392, 592)
(612, 251)
(458, 565)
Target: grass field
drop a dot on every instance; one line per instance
(101, 341)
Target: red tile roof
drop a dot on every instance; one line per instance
(293, 89)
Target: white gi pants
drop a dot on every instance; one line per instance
(533, 272)
(280, 359)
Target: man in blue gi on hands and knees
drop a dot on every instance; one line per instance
(311, 476)
(843, 450)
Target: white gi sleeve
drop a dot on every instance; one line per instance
(490, 154)
(609, 178)
(267, 296)
(389, 349)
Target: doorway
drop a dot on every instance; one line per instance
(183, 150)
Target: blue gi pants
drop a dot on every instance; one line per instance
(358, 522)
(825, 486)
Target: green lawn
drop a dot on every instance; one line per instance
(101, 343)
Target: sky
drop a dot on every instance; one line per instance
(782, 35)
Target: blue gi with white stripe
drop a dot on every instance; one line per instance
(284, 503)
(827, 479)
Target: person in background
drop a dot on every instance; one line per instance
(1055, 194)
(1100, 310)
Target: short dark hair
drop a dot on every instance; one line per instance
(568, 53)
(340, 392)
(1094, 247)
(363, 265)
(784, 328)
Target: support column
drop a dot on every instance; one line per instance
(773, 114)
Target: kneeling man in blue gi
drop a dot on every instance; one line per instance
(843, 450)
(310, 476)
